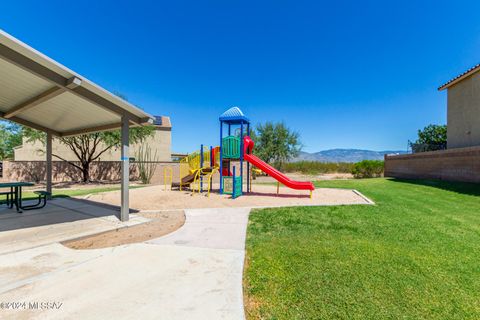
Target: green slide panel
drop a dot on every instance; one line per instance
(228, 186)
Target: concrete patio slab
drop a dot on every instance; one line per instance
(138, 281)
(193, 273)
(6, 213)
(69, 203)
(68, 219)
(25, 266)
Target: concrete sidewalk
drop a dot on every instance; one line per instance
(193, 273)
(221, 234)
(220, 228)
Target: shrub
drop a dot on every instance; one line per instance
(317, 167)
(368, 169)
(147, 163)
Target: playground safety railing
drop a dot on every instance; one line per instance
(209, 180)
(193, 161)
(168, 176)
(202, 173)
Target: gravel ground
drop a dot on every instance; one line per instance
(160, 224)
(155, 198)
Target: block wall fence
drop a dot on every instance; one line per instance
(100, 171)
(34, 171)
(462, 164)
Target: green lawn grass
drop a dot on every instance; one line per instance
(413, 255)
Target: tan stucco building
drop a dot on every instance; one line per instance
(463, 114)
(160, 142)
(461, 160)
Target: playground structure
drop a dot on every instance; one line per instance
(231, 160)
(198, 168)
(237, 126)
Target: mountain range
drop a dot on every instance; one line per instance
(344, 155)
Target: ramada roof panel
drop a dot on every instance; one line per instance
(69, 112)
(26, 74)
(15, 82)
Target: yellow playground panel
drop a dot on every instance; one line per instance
(168, 176)
(200, 166)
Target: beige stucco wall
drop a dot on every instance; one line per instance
(463, 116)
(160, 142)
(34, 171)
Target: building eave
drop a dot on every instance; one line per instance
(460, 77)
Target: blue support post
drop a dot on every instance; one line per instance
(241, 155)
(212, 161)
(248, 163)
(201, 166)
(212, 164)
(233, 183)
(220, 190)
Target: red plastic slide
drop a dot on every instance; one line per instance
(248, 145)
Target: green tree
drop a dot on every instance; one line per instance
(275, 143)
(368, 169)
(89, 147)
(10, 137)
(432, 137)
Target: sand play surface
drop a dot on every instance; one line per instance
(155, 198)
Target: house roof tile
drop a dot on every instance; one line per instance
(460, 77)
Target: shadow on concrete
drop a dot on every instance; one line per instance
(59, 210)
(467, 188)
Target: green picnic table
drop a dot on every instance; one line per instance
(16, 193)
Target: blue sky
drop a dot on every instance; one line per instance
(345, 74)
